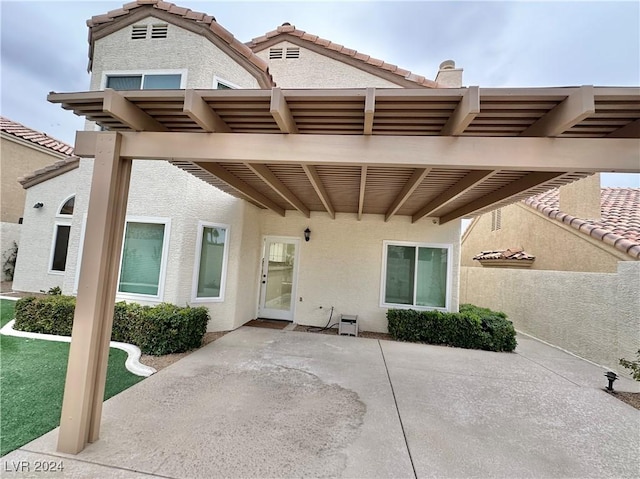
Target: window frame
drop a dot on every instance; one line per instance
(163, 261)
(196, 264)
(142, 73)
(448, 282)
(61, 220)
(218, 80)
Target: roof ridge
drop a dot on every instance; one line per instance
(36, 137)
(185, 14)
(602, 230)
(288, 29)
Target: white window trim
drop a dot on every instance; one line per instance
(163, 262)
(181, 72)
(58, 223)
(217, 79)
(62, 203)
(383, 278)
(196, 264)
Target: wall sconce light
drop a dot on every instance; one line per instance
(38, 205)
(307, 234)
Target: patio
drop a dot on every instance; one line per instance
(269, 403)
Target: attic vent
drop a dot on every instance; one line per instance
(496, 219)
(293, 52)
(138, 32)
(275, 53)
(159, 31)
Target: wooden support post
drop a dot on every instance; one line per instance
(89, 352)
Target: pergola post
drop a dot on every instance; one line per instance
(93, 320)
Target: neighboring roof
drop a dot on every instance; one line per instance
(286, 31)
(197, 22)
(48, 172)
(18, 130)
(620, 222)
(514, 254)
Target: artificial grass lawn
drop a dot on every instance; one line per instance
(32, 374)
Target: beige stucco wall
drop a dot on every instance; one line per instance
(556, 246)
(181, 49)
(9, 234)
(341, 265)
(18, 159)
(313, 70)
(593, 315)
(36, 238)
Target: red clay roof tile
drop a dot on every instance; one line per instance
(36, 137)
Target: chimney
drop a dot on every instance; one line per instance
(582, 198)
(448, 75)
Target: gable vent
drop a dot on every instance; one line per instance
(159, 31)
(138, 32)
(275, 53)
(293, 52)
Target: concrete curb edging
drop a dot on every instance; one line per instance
(132, 363)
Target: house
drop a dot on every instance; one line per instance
(581, 292)
(22, 150)
(324, 196)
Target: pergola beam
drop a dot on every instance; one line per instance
(472, 179)
(199, 111)
(467, 109)
(126, 112)
(279, 187)
(363, 186)
(281, 113)
(618, 155)
(575, 108)
(236, 183)
(317, 184)
(516, 187)
(410, 186)
(369, 110)
(630, 130)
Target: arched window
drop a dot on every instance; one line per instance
(61, 232)
(67, 207)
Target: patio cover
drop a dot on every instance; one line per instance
(437, 153)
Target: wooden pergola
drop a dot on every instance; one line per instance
(437, 153)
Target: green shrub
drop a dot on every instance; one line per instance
(157, 330)
(634, 366)
(471, 328)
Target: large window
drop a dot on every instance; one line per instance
(211, 262)
(416, 275)
(61, 232)
(144, 81)
(143, 257)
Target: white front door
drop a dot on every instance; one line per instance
(278, 278)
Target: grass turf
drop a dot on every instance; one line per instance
(32, 374)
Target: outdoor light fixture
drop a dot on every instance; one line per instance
(307, 234)
(611, 376)
(38, 205)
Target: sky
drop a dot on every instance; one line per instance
(43, 44)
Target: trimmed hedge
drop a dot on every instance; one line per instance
(156, 330)
(471, 328)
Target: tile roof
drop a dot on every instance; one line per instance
(620, 222)
(287, 30)
(36, 137)
(180, 14)
(515, 254)
(49, 171)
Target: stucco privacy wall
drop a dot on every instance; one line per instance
(9, 233)
(593, 315)
(556, 246)
(181, 49)
(341, 265)
(313, 70)
(36, 239)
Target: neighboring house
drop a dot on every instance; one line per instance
(582, 290)
(188, 243)
(22, 150)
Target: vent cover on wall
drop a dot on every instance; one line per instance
(275, 53)
(293, 52)
(159, 31)
(138, 32)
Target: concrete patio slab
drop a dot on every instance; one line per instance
(269, 403)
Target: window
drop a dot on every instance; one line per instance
(144, 81)
(221, 84)
(416, 275)
(211, 262)
(61, 232)
(144, 252)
